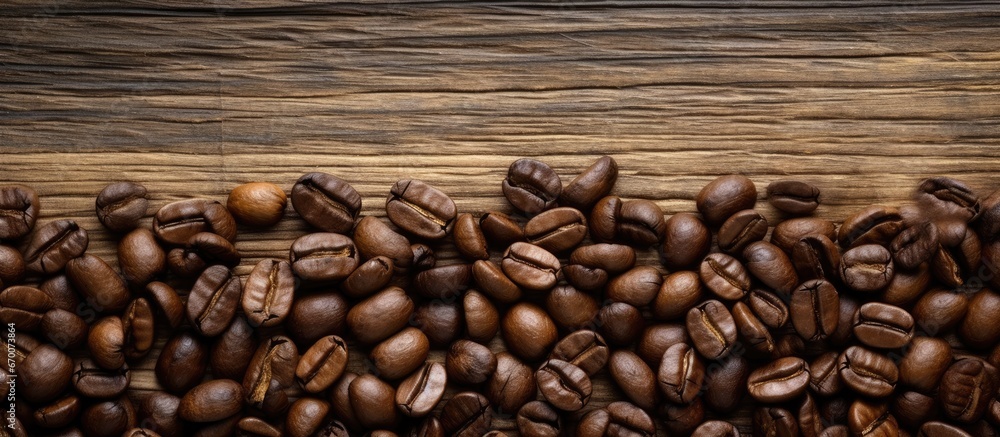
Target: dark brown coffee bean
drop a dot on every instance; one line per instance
(640, 223)
(771, 266)
(211, 401)
(102, 289)
(914, 245)
(18, 211)
(780, 380)
(530, 266)
(564, 385)
(618, 418)
(375, 238)
(306, 416)
(24, 306)
(64, 329)
(12, 266)
(824, 379)
(836, 431)
(423, 257)
(43, 374)
(924, 362)
(482, 320)
(866, 267)
(872, 225)
(769, 307)
(712, 329)
(202, 250)
(868, 373)
(94, 382)
(429, 427)
(528, 332)
(681, 373)
(845, 321)
(679, 292)
(740, 230)
(469, 238)
(591, 266)
(751, 330)
(140, 257)
(682, 419)
(724, 196)
(268, 293)
(883, 326)
(182, 363)
(499, 229)
(420, 392)
(726, 384)
(420, 209)
(815, 309)
(686, 241)
(531, 186)
(637, 287)
(256, 427)
(58, 414)
(167, 301)
(315, 316)
(912, 409)
(816, 257)
(591, 185)
(944, 197)
(620, 323)
(967, 388)
(635, 378)
(511, 385)
(445, 282)
(326, 202)
(340, 401)
(469, 362)
(557, 229)
(53, 245)
(121, 205)
(979, 328)
(467, 414)
(233, 350)
(323, 257)
(221, 428)
(941, 429)
(538, 419)
(716, 428)
(907, 286)
(369, 277)
(275, 403)
(321, 365)
(570, 308)
(108, 418)
(400, 354)
(789, 345)
(871, 419)
(275, 360)
(442, 321)
(106, 342)
(793, 197)
(789, 232)
(257, 204)
(381, 315)
(492, 281)
(655, 340)
(213, 300)
(953, 261)
(137, 324)
(176, 222)
(159, 411)
(774, 421)
(725, 276)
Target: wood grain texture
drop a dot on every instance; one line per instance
(861, 98)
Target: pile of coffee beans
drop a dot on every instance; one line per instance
(883, 325)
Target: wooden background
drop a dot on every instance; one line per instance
(861, 98)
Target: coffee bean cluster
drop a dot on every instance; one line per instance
(885, 325)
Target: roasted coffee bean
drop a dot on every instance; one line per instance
(121, 205)
(102, 289)
(871, 419)
(423, 257)
(774, 421)
(686, 240)
(140, 257)
(872, 225)
(924, 362)
(445, 282)
(566, 386)
(538, 419)
(528, 332)
(967, 388)
(53, 245)
(907, 286)
(557, 230)
(167, 301)
(257, 204)
(213, 299)
(468, 362)
(816, 257)
(531, 186)
(769, 307)
(793, 197)
(725, 196)
(789, 232)
(467, 414)
(592, 266)
(211, 401)
(59, 414)
(401, 354)
(824, 379)
(810, 421)
(106, 342)
(381, 315)
(420, 209)
(636, 287)
(530, 266)
(635, 378)
(326, 202)
(499, 229)
(866, 267)
(137, 324)
(941, 429)
(492, 281)
(591, 185)
(275, 360)
(306, 416)
(912, 409)
(482, 320)
(108, 418)
(321, 365)
(375, 238)
(618, 418)
(789, 345)
(340, 401)
(18, 211)
(979, 328)
(815, 309)
(202, 250)
(176, 222)
(233, 350)
(712, 329)
(867, 373)
(741, 229)
(323, 257)
(883, 326)
(637, 222)
(655, 340)
(221, 428)
(725, 276)
(751, 330)
(680, 291)
(43, 374)
(256, 427)
(315, 316)
(681, 373)
(779, 381)
(726, 384)
(845, 321)
(682, 419)
(914, 245)
(268, 293)
(429, 427)
(620, 323)
(24, 306)
(570, 308)
(716, 428)
(512, 384)
(442, 321)
(947, 198)
(420, 392)
(64, 329)
(469, 238)
(12, 267)
(771, 266)
(182, 362)
(159, 411)
(94, 382)
(369, 277)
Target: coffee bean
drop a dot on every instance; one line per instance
(866, 267)
(682, 419)
(591, 185)
(769, 307)
(213, 299)
(531, 186)
(779, 381)
(44, 373)
(469, 238)
(940, 311)
(444, 282)
(751, 330)
(564, 385)
(254, 426)
(315, 316)
(914, 245)
(868, 373)
(64, 329)
(326, 202)
(530, 266)
(967, 388)
(159, 411)
(58, 414)
(538, 419)
(725, 276)
(592, 266)
(369, 277)
(121, 205)
(686, 241)
(305, 417)
(512, 384)
(140, 257)
(680, 291)
(499, 229)
(375, 238)
(810, 422)
(102, 289)
(268, 292)
(570, 308)
(620, 323)
(469, 362)
(912, 409)
(556, 230)
(716, 428)
(635, 378)
(618, 418)
(18, 211)
(944, 198)
(137, 325)
(233, 350)
(681, 373)
(636, 222)
(420, 209)
(883, 326)
(167, 301)
(793, 197)
(467, 414)
(815, 309)
(724, 196)
(637, 287)
(941, 429)
(953, 262)
(106, 342)
(441, 321)
(429, 427)
(845, 329)
(924, 362)
(202, 250)
(494, 283)
(323, 257)
(872, 225)
(726, 384)
(276, 359)
(789, 232)
(94, 382)
(257, 204)
(816, 257)
(211, 401)
(322, 364)
(24, 306)
(340, 401)
(774, 421)
(380, 316)
(53, 245)
(771, 266)
(419, 393)
(655, 340)
(182, 363)
(108, 418)
(988, 222)
(12, 266)
(979, 328)
(824, 378)
(871, 418)
(482, 320)
(528, 332)
(741, 229)
(907, 286)
(176, 222)
(712, 329)
(400, 354)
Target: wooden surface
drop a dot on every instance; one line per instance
(862, 99)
